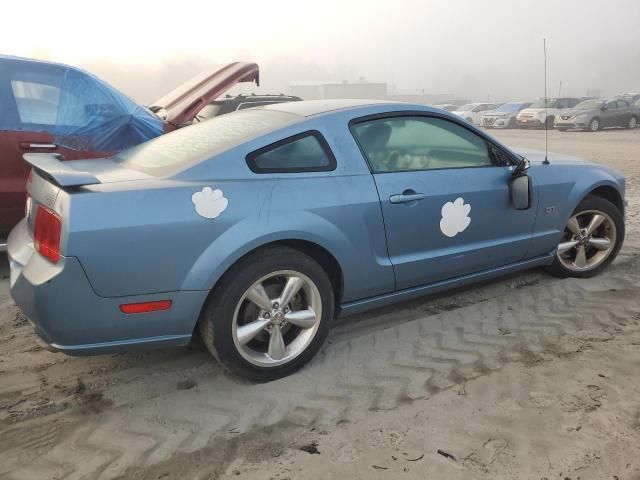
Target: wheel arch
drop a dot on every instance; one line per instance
(327, 261)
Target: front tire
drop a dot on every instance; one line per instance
(594, 125)
(591, 241)
(269, 314)
(633, 123)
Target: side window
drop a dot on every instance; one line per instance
(611, 105)
(37, 96)
(419, 143)
(622, 104)
(306, 152)
(563, 103)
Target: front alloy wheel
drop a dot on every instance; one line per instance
(591, 239)
(588, 241)
(594, 125)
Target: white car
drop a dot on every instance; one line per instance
(536, 115)
(473, 112)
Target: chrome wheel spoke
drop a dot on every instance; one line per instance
(247, 332)
(581, 257)
(301, 318)
(600, 243)
(293, 286)
(566, 246)
(595, 222)
(574, 226)
(277, 348)
(259, 296)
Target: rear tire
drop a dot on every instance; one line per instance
(633, 123)
(597, 254)
(264, 354)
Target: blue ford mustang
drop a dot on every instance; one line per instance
(259, 227)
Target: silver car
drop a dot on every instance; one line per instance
(594, 115)
(504, 116)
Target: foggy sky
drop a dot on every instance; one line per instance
(485, 49)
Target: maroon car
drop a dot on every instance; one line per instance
(48, 107)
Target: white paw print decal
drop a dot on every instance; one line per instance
(209, 203)
(455, 217)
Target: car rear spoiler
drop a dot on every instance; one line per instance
(50, 166)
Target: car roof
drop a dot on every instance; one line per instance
(308, 108)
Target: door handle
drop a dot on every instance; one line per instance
(38, 146)
(406, 197)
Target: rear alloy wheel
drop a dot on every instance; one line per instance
(594, 125)
(591, 240)
(270, 315)
(633, 123)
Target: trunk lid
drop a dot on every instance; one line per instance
(181, 105)
(77, 173)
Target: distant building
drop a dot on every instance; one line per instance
(362, 89)
(332, 90)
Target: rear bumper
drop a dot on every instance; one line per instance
(68, 315)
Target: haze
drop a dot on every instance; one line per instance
(490, 49)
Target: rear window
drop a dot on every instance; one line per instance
(175, 151)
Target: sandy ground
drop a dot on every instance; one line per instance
(527, 377)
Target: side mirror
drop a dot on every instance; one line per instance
(520, 189)
(603, 108)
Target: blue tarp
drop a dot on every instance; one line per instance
(81, 111)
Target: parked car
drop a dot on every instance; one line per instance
(536, 115)
(594, 115)
(472, 112)
(449, 107)
(50, 107)
(629, 97)
(504, 116)
(230, 103)
(257, 227)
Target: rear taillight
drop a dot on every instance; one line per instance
(46, 233)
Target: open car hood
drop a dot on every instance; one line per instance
(180, 106)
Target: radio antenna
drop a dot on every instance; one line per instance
(546, 123)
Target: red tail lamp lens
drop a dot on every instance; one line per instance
(145, 307)
(46, 233)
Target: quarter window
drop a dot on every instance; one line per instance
(419, 143)
(306, 152)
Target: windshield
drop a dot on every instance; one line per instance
(588, 105)
(508, 107)
(551, 103)
(188, 146)
(467, 108)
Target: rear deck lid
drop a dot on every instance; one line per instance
(180, 106)
(78, 173)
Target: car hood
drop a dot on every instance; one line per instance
(535, 111)
(536, 157)
(181, 105)
(572, 111)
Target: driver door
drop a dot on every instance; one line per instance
(445, 200)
